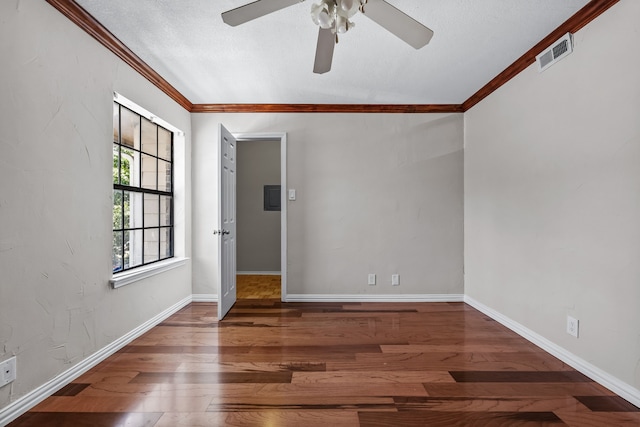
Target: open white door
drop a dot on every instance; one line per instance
(227, 223)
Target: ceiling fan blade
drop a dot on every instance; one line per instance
(254, 10)
(324, 51)
(398, 23)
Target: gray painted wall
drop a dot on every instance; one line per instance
(552, 176)
(56, 306)
(258, 231)
(376, 193)
(552, 197)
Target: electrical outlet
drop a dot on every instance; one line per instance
(572, 326)
(7, 371)
(372, 279)
(395, 280)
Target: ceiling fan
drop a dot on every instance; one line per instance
(333, 18)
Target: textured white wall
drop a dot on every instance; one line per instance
(56, 306)
(552, 196)
(376, 193)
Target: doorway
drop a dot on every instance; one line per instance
(261, 216)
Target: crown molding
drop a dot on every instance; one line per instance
(91, 26)
(327, 108)
(591, 11)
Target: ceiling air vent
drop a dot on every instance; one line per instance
(555, 52)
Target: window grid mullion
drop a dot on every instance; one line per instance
(156, 160)
(158, 188)
(140, 182)
(139, 190)
(159, 237)
(120, 181)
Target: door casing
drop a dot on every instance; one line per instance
(282, 137)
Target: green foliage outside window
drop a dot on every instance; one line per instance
(124, 172)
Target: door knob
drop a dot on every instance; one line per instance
(225, 232)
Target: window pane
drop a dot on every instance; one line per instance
(149, 137)
(129, 128)
(116, 164)
(164, 175)
(116, 254)
(164, 143)
(151, 244)
(116, 123)
(151, 210)
(132, 216)
(149, 172)
(129, 170)
(142, 160)
(117, 209)
(165, 210)
(132, 248)
(165, 243)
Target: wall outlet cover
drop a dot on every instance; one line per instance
(7, 371)
(395, 280)
(572, 326)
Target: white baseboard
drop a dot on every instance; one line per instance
(374, 298)
(258, 273)
(621, 388)
(31, 399)
(204, 298)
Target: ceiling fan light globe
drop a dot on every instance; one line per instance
(348, 8)
(343, 24)
(315, 12)
(322, 14)
(346, 5)
(325, 20)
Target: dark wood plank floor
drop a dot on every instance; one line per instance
(331, 364)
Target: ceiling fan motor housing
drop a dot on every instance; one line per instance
(335, 14)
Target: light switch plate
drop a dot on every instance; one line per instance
(292, 194)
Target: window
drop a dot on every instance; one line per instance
(143, 231)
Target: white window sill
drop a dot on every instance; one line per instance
(128, 277)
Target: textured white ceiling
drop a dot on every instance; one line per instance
(270, 59)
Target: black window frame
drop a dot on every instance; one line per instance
(140, 189)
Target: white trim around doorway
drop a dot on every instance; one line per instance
(282, 137)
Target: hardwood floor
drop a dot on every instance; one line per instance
(332, 364)
(255, 286)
